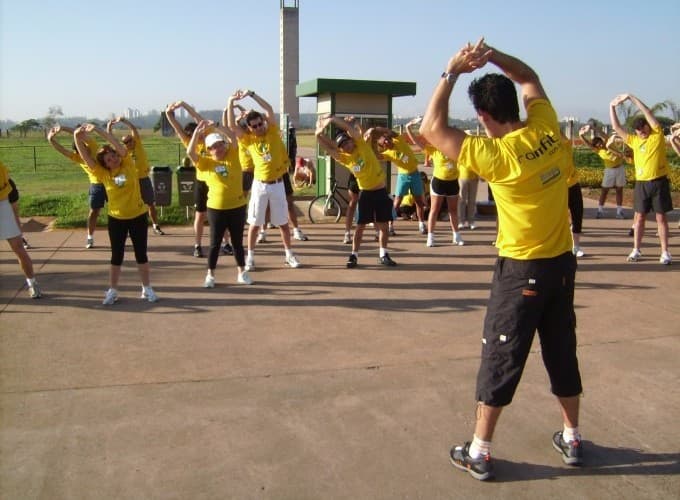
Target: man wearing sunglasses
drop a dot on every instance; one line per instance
(263, 142)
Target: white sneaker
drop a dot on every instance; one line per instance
(244, 278)
(458, 239)
(261, 237)
(634, 256)
(347, 239)
(472, 227)
(430, 240)
(422, 228)
(299, 235)
(34, 290)
(620, 215)
(578, 252)
(110, 297)
(209, 281)
(149, 294)
(250, 264)
(666, 259)
(292, 261)
(460, 225)
(90, 242)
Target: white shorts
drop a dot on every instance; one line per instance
(8, 223)
(614, 177)
(272, 195)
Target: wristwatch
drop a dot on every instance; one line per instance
(449, 77)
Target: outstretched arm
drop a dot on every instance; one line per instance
(418, 140)
(170, 114)
(519, 72)
(229, 118)
(614, 118)
(52, 138)
(434, 127)
(675, 141)
(127, 123)
(79, 135)
(268, 110)
(649, 116)
(582, 134)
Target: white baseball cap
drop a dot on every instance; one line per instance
(212, 139)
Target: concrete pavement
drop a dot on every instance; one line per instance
(323, 382)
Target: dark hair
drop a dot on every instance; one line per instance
(106, 148)
(252, 115)
(341, 137)
(189, 128)
(639, 123)
(495, 94)
(598, 142)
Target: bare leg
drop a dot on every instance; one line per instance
(285, 235)
(114, 276)
(570, 410)
(17, 246)
(662, 224)
(92, 221)
(487, 417)
(144, 271)
(199, 222)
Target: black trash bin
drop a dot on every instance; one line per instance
(161, 179)
(186, 184)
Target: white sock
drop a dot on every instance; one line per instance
(289, 252)
(250, 254)
(600, 208)
(619, 209)
(571, 434)
(30, 281)
(479, 447)
(383, 251)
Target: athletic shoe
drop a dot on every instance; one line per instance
(244, 278)
(149, 294)
(299, 235)
(472, 227)
(352, 261)
(620, 215)
(480, 468)
(157, 230)
(198, 252)
(90, 242)
(600, 214)
(250, 264)
(634, 256)
(666, 259)
(458, 239)
(347, 239)
(572, 451)
(110, 297)
(26, 244)
(460, 225)
(577, 251)
(34, 290)
(422, 228)
(292, 261)
(430, 240)
(261, 238)
(227, 249)
(209, 281)
(385, 260)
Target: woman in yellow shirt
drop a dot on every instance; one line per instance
(226, 205)
(127, 213)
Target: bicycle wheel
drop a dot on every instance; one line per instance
(323, 210)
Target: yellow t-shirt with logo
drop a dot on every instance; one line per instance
(268, 154)
(402, 156)
(527, 172)
(649, 155)
(444, 168)
(364, 165)
(5, 186)
(75, 158)
(224, 179)
(609, 159)
(122, 189)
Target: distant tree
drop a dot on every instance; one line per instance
(673, 108)
(157, 126)
(26, 126)
(51, 119)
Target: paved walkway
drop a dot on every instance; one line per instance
(323, 382)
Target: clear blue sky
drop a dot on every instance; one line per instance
(94, 58)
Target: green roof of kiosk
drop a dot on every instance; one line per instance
(338, 86)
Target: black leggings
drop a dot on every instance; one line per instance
(118, 232)
(233, 219)
(576, 208)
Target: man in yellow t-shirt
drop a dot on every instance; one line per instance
(270, 164)
(533, 282)
(652, 187)
(351, 150)
(97, 193)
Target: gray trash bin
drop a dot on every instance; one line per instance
(161, 179)
(186, 184)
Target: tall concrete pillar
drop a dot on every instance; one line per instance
(289, 60)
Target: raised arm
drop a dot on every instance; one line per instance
(519, 72)
(52, 139)
(79, 135)
(435, 127)
(324, 141)
(417, 140)
(228, 116)
(133, 130)
(614, 118)
(177, 127)
(675, 140)
(582, 134)
(268, 110)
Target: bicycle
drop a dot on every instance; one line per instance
(328, 208)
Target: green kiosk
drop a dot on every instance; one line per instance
(369, 101)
